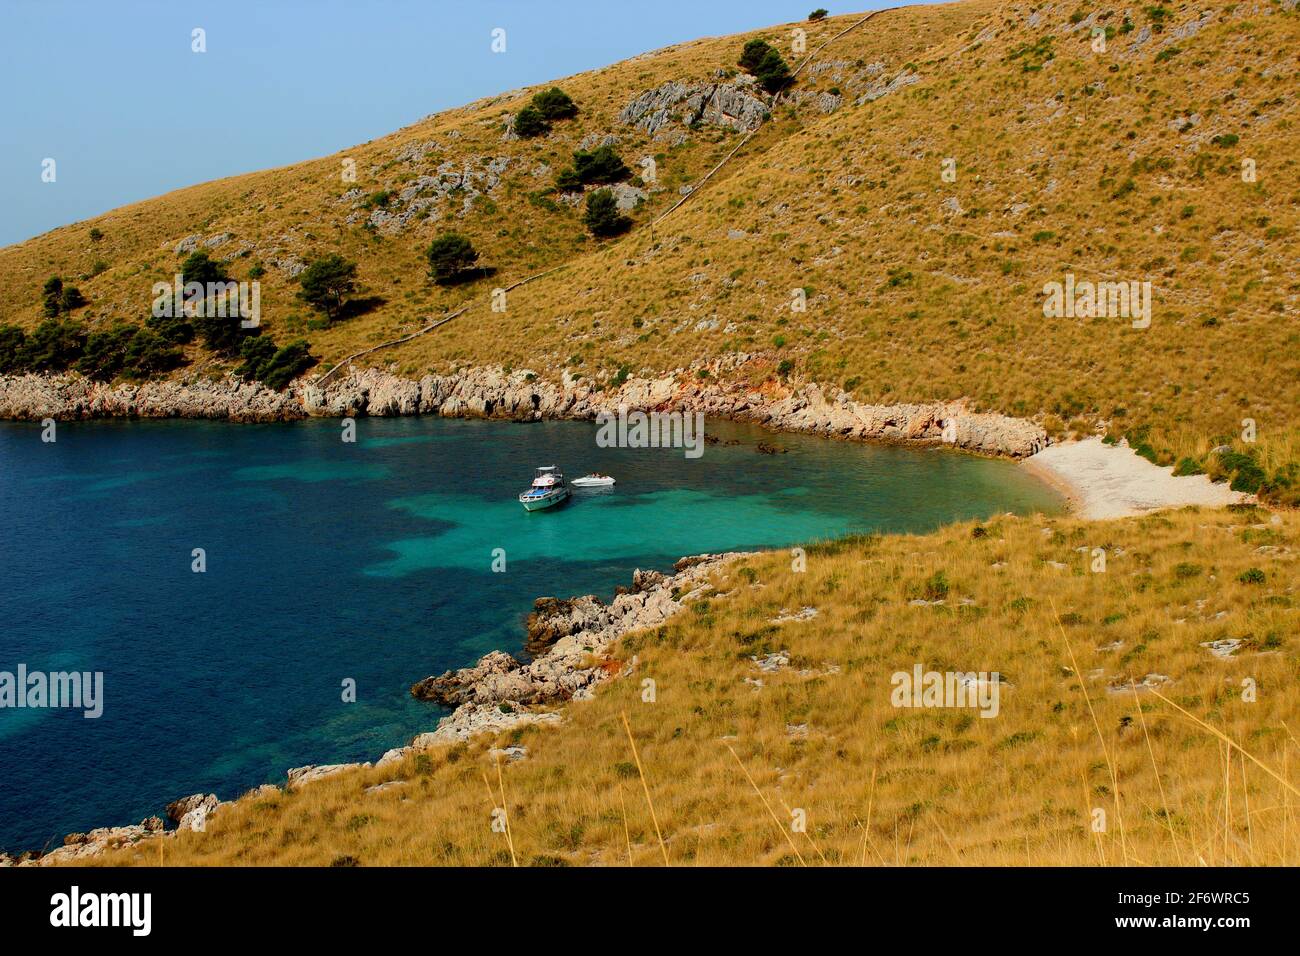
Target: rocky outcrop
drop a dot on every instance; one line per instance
(191, 813)
(733, 104)
(80, 846)
(571, 640)
(72, 397)
(523, 396)
(429, 196)
(301, 776)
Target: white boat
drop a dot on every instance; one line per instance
(547, 490)
(594, 480)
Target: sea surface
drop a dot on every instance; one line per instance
(370, 561)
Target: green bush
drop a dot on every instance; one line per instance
(199, 267)
(555, 104)
(287, 364)
(530, 122)
(149, 354)
(602, 216)
(600, 166)
(772, 73)
(1243, 471)
(173, 329)
(449, 255)
(936, 587)
(327, 282)
(12, 339)
(766, 64)
(567, 181)
(53, 346)
(52, 293)
(256, 351)
(1252, 576)
(752, 55)
(60, 299)
(220, 333)
(274, 367)
(818, 14)
(104, 354)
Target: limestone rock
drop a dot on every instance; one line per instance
(177, 809)
(731, 104)
(301, 776)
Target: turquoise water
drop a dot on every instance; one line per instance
(370, 561)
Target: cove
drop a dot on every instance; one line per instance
(371, 561)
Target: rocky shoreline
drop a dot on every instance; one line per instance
(568, 640)
(568, 643)
(522, 395)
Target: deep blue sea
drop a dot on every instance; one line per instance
(371, 561)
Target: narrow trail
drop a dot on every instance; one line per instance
(440, 321)
(444, 319)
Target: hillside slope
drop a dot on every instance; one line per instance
(1124, 165)
(460, 170)
(1086, 761)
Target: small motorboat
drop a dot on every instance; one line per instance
(594, 480)
(547, 490)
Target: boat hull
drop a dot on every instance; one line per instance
(542, 502)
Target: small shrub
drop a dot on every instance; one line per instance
(530, 122)
(12, 339)
(327, 283)
(600, 166)
(52, 346)
(772, 73)
(555, 104)
(602, 216)
(752, 54)
(450, 255)
(935, 587)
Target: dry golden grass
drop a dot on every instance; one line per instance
(296, 210)
(1074, 165)
(1070, 167)
(725, 766)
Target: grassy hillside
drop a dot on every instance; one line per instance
(880, 784)
(1116, 165)
(507, 205)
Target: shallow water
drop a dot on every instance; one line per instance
(370, 561)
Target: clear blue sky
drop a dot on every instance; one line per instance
(111, 90)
